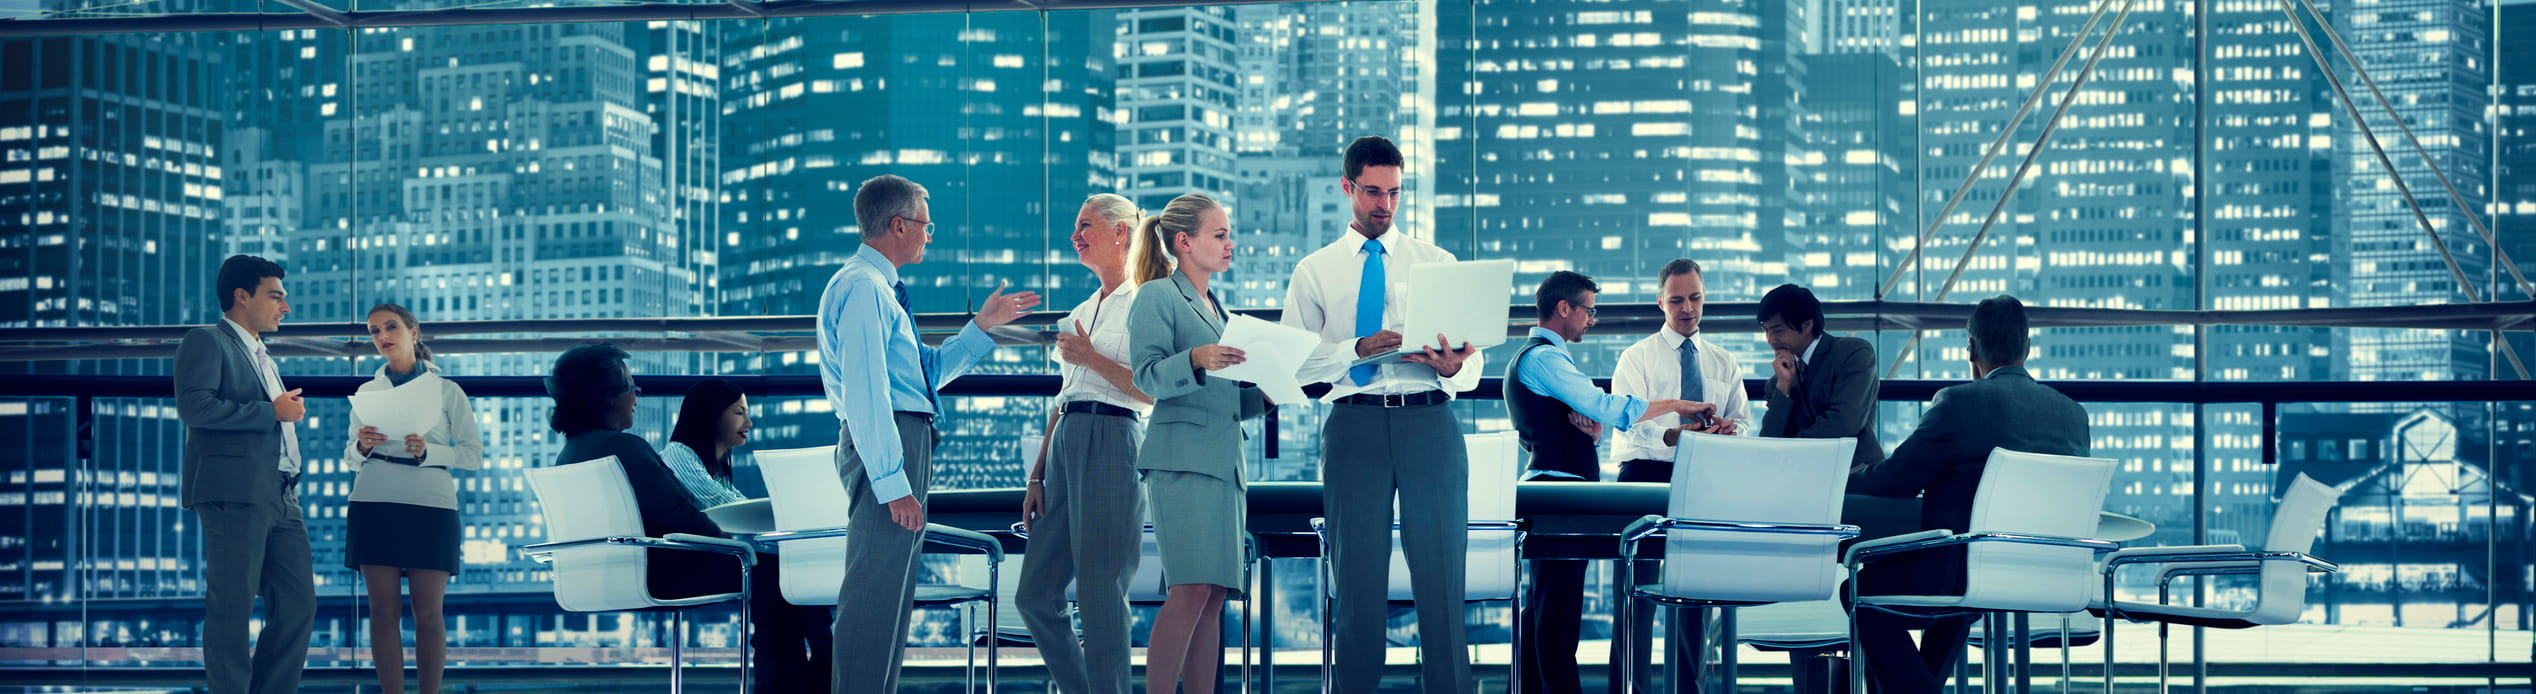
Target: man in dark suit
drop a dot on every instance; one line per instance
(1821, 386)
(2003, 407)
(241, 478)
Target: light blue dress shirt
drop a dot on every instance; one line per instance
(872, 365)
(1551, 371)
(709, 492)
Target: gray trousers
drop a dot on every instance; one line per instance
(1090, 534)
(1367, 454)
(256, 550)
(876, 603)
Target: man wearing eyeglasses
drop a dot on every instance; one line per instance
(883, 384)
(1559, 415)
(1382, 433)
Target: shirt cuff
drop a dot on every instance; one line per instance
(1630, 409)
(439, 456)
(891, 487)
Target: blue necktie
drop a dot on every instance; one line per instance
(1369, 306)
(903, 307)
(1692, 387)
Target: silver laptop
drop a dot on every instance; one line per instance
(1463, 301)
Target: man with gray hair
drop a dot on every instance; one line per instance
(883, 384)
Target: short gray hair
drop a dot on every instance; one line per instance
(882, 197)
(1679, 266)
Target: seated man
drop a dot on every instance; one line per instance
(1942, 462)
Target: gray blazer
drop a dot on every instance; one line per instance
(1196, 421)
(233, 446)
(1839, 399)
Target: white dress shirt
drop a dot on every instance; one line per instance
(1322, 298)
(1651, 369)
(271, 374)
(1106, 319)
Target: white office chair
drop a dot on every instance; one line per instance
(1145, 587)
(811, 532)
(1751, 521)
(2280, 568)
(1493, 570)
(598, 554)
(2030, 549)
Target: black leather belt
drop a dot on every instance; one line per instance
(927, 416)
(1418, 399)
(1090, 407)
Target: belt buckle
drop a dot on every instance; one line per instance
(1395, 400)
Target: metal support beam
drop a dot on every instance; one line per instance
(638, 12)
(323, 13)
(751, 7)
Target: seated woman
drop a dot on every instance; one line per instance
(792, 643)
(594, 404)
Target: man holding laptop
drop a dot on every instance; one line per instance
(1383, 430)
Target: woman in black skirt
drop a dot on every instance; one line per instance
(404, 513)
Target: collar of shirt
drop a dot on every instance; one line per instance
(1808, 356)
(422, 366)
(1672, 340)
(251, 340)
(1555, 340)
(880, 263)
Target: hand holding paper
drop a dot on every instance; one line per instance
(400, 411)
(1271, 353)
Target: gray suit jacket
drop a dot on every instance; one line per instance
(1838, 399)
(1196, 421)
(233, 446)
(1943, 460)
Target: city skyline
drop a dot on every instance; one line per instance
(667, 169)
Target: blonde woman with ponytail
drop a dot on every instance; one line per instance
(1085, 519)
(1192, 454)
(402, 524)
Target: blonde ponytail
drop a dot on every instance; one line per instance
(1149, 258)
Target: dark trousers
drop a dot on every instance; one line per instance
(793, 647)
(1894, 666)
(255, 551)
(1686, 632)
(1553, 619)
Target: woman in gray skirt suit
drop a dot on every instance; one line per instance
(1192, 455)
(1083, 509)
(402, 524)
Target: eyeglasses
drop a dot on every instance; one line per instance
(928, 223)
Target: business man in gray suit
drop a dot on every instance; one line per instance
(2003, 407)
(1821, 386)
(241, 477)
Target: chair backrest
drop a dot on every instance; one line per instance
(586, 500)
(2295, 524)
(2035, 494)
(803, 485)
(1762, 480)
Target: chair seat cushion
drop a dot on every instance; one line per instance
(694, 601)
(2213, 617)
(933, 596)
(1793, 625)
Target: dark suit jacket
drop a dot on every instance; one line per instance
(1837, 398)
(233, 446)
(1943, 460)
(1196, 421)
(667, 508)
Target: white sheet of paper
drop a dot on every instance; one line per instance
(1270, 355)
(398, 411)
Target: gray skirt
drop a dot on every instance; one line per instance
(1198, 527)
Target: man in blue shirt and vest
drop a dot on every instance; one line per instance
(1559, 414)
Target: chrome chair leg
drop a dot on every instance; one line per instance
(677, 650)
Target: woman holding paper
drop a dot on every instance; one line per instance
(403, 519)
(1082, 506)
(1191, 456)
